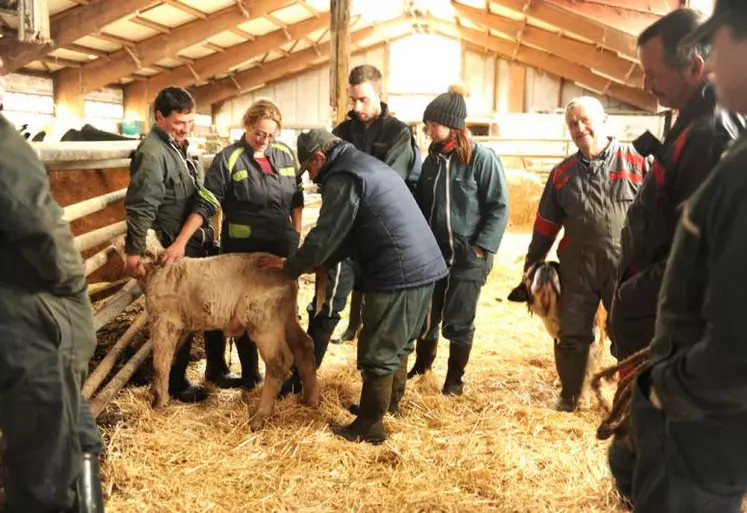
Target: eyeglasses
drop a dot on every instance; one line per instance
(260, 135)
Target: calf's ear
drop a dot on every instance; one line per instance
(519, 294)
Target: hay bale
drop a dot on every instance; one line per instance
(524, 192)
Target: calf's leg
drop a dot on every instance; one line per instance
(166, 338)
(302, 346)
(278, 358)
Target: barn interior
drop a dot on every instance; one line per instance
(500, 447)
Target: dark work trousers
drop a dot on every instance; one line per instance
(47, 342)
(686, 466)
(341, 280)
(391, 322)
(632, 315)
(283, 246)
(453, 305)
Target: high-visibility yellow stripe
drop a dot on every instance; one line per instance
(239, 175)
(209, 197)
(287, 171)
(233, 158)
(239, 231)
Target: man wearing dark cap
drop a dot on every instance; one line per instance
(369, 214)
(51, 445)
(689, 413)
(678, 78)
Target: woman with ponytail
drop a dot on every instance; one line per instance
(464, 197)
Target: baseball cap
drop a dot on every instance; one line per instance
(310, 142)
(723, 11)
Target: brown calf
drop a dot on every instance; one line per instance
(229, 293)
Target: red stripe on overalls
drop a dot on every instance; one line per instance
(546, 228)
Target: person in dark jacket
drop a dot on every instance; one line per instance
(369, 214)
(689, 410)
(371, 129)
(256, 183)
(679, 79)
(463, 195)
(588, 195)
(164, 184)
(51, 444)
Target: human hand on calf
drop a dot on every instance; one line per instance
(173, 253)
(134, 268)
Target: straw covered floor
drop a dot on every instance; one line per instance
(500, 447)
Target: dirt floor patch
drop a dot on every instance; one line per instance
(500, 447)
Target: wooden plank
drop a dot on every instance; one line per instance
(209, 66)
(72, 84)
(516, 87)
(68, 28)
(339, 32)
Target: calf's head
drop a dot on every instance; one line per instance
(151, 252)
(540, 288)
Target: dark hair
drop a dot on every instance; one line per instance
(673, 28)
(365, 73)
(738, 27)
(172, 99)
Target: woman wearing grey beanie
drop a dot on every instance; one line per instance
(464, 196)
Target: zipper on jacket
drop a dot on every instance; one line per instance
(444, 160)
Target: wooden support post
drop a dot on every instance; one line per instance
(116, 304)
(107, 364)
(100, 235)
(339, 33)
(97, 261)
(98, 403)
(89, 206)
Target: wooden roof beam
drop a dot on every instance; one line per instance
(70, 26)
(604, 61)
(163, 29)
(216, 63)
(550, 63)
(571, 22)
(222, 89)
(98, 73)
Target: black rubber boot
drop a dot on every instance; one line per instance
(180, 388)
(458, 359)
(571, 367)
(425, 354)
(398, 390)
(88, 495)
(249, 358)
(320, 330)
(216, 369)
(368, 426)
(354, 322)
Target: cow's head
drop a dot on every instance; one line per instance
(540, 287)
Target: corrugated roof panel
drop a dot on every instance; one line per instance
(129, 30)
(258, 27)
(98, 44)
(226, 39)
(196, 52)
(168, 15)
(209, 6)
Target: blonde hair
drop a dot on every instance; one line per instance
(262, 109)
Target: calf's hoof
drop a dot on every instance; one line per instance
(159, 401)
(190, 394)
(312, 398)
(257, 422)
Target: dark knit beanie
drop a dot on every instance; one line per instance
(448, 109)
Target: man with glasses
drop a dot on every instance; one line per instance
(369, 214)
